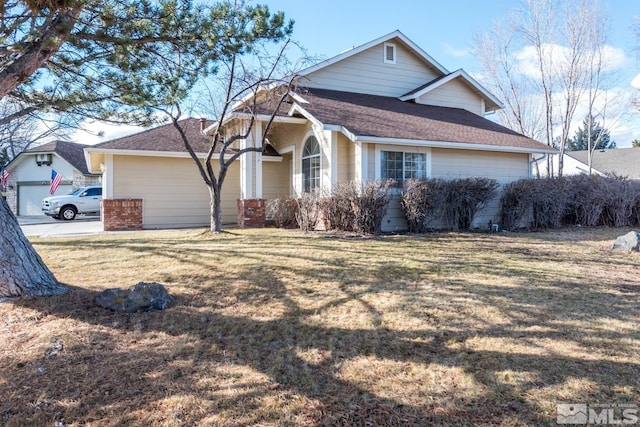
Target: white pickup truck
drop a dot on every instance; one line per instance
(85, 200)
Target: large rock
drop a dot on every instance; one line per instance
(138, 298)
(629, 242)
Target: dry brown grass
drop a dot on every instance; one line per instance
(278, 327)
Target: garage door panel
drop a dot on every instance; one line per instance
(30, 197)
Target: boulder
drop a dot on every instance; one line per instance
(141, 297)
(629, 242)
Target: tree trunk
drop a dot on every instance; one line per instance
(22, 271)
(216, 209)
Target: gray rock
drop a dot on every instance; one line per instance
(629, 242)
(141, 297)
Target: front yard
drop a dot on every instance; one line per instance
(275, 327)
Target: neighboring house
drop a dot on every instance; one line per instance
(548, 165)
(382, 110)
(30, 175)
(624, 162)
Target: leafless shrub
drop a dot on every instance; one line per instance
(282, 211)
(455, 201)
(463, 198)
(308, 211)
(336, 208)
(572, 200)
(421, 202)
(370, 206)
(357, 207)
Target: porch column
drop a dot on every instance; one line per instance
(361, 162)
(251, 205)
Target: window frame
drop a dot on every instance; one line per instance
(315, 182)
(426, 152)
(394, 49)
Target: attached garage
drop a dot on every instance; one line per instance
(30, 197)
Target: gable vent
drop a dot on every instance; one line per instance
(389, 53)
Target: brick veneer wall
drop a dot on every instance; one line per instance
(252, 212)
(121, 214)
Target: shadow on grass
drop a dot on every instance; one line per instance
(123, 367)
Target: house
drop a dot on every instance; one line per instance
(30, 175)
(385, 109)
(624, 162)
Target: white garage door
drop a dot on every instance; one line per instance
(30, 197)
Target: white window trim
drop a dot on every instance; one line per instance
(395, 148)
(395, 53)
(304, 141)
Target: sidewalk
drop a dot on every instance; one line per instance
(44, 226)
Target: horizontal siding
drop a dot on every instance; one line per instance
(346, 158)
(503, 167)
(276, 179)
(367, 72)
(172, 191)
(453, 94)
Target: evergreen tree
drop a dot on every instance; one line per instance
(600, 137)
(107, 59)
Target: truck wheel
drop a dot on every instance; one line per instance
(67, 213)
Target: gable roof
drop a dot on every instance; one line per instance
(70, 151)
(373, 118)
(492, 104)
(620, 161)
(395, 34)
(165, 138)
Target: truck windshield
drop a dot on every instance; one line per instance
(77, 192)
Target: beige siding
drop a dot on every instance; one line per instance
(454, 94)
(172, 191)
(503, 167)
(276, 178)
(367, 72)
(346, 158)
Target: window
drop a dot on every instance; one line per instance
(389, 53)
(311, 165)
(402, 166)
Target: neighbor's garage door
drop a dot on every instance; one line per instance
(30, 197)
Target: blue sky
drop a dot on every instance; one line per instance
(443, 29)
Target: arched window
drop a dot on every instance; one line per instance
(311, 165)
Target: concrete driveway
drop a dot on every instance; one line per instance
(44, 226)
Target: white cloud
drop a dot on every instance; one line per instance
(457, 52)
(109, 131)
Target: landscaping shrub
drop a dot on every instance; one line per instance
(308, 211)
(571, 200)
(359, 208)
(463, 198)
(421, 202)
(282, 211)
(455, 201)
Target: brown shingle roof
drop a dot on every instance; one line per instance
(162, 138)
(387, 117)
(70, 151)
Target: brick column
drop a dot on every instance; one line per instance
(251, 213)
(121, 214)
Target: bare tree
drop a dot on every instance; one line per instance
(553, 51)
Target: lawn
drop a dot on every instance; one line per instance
(277, 327)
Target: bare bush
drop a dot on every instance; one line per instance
(337, 212)
(464, 198)
(357, 207)
(370, 206)
(571, 200)
(282, 211)
(308, 211)
(421, 202)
